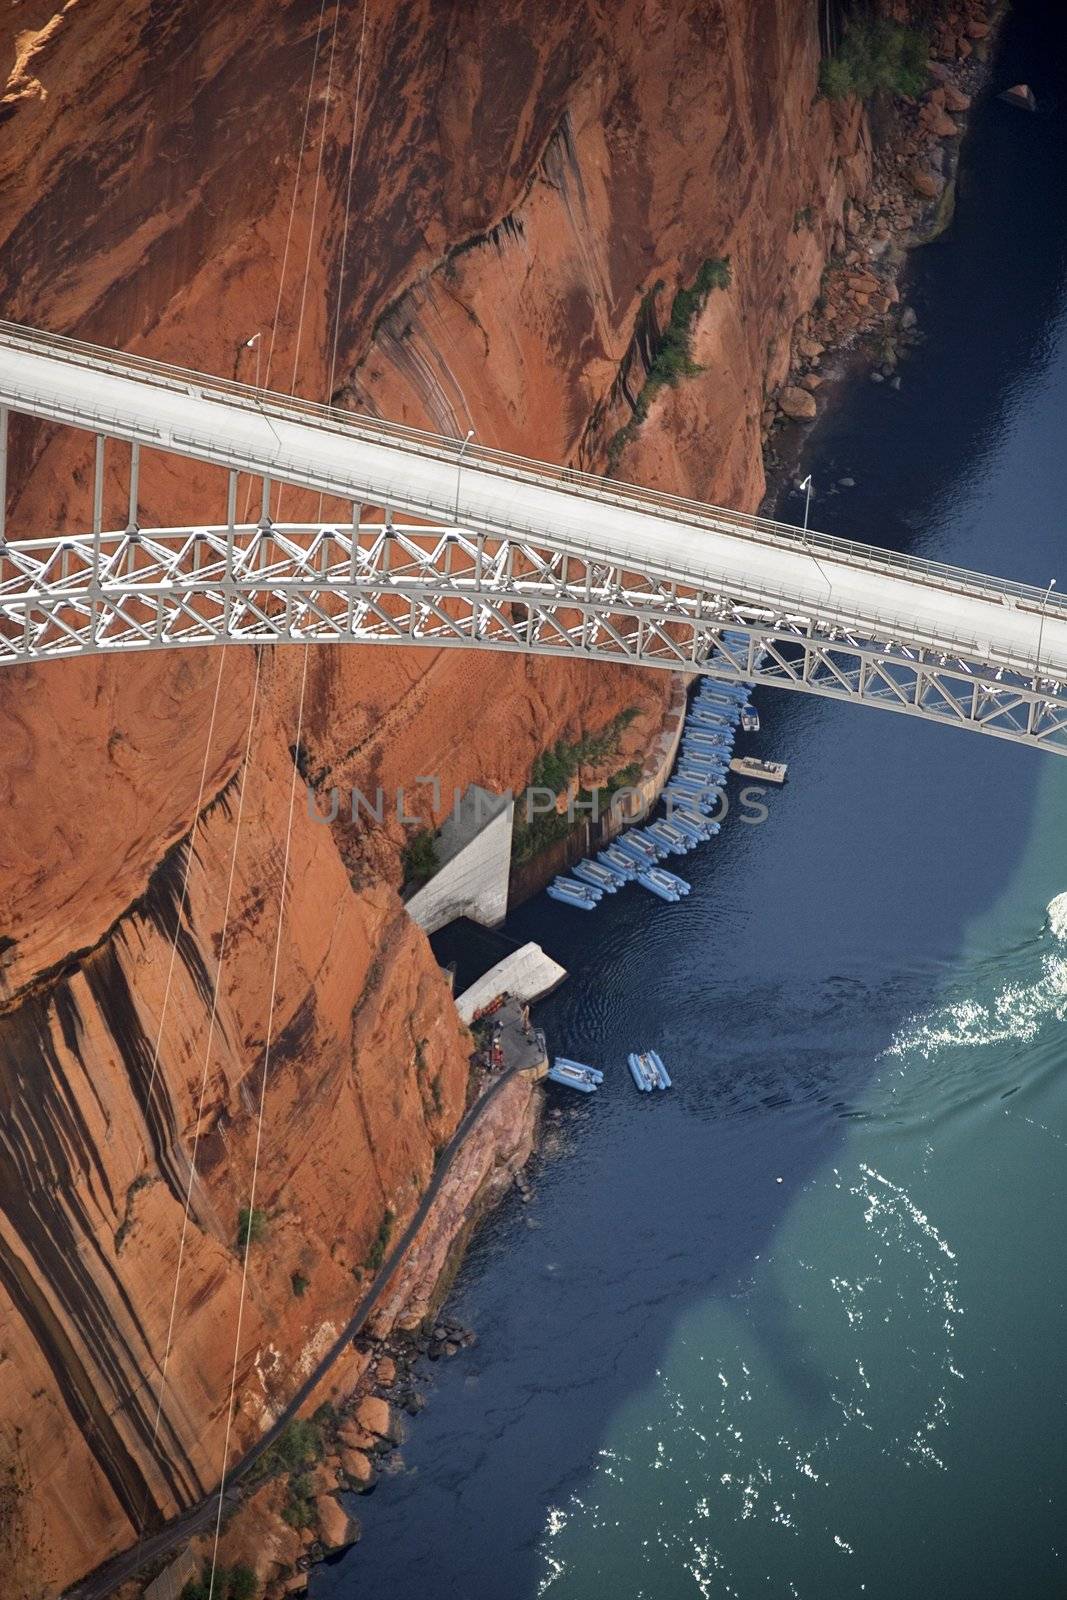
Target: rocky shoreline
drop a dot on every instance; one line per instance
(860, 316)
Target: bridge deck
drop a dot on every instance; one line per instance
(362, 461)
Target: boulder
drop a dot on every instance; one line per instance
(812, 381)
(372, 1413)
(797, 403)
(864, 283)
(977, 30)
(955, 99)
(938, 122)
(386, 1371)
(354, 1437)
(925, 182)
(356, 1466)
(1021, 95)
(336, 1528)
(809, 349)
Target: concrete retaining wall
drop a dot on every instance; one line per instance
(474, 849)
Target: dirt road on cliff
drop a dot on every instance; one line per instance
(101, 1583)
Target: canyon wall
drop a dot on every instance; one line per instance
(485, 254)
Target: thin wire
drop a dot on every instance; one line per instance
(259, 1118)
(344, 228)
(314, 203)
(348, 207)
(292, 215)
(296, 191)
(311, 229)
(185, 887)
(255, 694)
(207, 1059)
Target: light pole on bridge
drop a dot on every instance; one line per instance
(1041, 632)
(807, 485)
(459, 466)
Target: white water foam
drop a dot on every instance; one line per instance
(1056, 912)
(1016, 1013)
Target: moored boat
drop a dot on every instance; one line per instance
(637, 847)
(617, 861)
(580, 1066)
(638, 1072)
(568, 900)
(696, 831)
(599, 876)
(673, 839)
(661, 1071)
(568, 891)
(574, 1075)
(658, 886)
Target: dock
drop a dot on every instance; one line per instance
(764, 771)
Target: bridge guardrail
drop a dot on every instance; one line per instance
(692, 513)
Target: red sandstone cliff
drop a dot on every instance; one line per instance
(523, 176)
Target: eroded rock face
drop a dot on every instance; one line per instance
(523, 178)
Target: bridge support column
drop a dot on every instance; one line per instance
(135, 475)
(98, 492)
(231, 519)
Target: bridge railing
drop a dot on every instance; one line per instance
(691, 513)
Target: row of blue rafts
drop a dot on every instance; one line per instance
(646, 1069)
(690, 796)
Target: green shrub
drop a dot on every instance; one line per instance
(299, 1445)
(298, 1510)
(376, 1254)
(230, 1583)
(251, 1226)
(300, 1284)
(876, 54)
(672, 359)
(419, 860)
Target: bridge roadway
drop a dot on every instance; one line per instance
(813, 585)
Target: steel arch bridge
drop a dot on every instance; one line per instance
(450, 545)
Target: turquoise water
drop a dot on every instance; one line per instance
(797, 1327)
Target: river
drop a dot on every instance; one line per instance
(796, 1328)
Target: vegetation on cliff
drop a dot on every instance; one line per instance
(673, 358)
(875, 54)
(229, 1583)
(554, 770)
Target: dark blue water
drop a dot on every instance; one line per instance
(797, 1327)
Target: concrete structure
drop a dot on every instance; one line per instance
(503, 554)
(474, 852)
(526, 974)
(172, 1580)
(656, 767)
